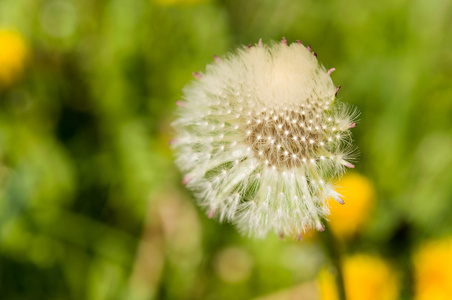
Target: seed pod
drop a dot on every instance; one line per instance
(261, 137)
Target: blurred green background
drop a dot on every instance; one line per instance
(91, 204)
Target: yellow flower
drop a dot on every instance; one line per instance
(13, 54)
(345, 220)
(366, 277)
(433, 270)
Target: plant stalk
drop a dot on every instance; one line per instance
(332, 248)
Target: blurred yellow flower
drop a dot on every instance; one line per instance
(358, 192)
(366, 277)
(13, 54)
(179, 2)
(433, 270)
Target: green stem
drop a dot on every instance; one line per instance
(333, 251)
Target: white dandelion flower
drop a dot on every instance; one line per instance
(261, 136)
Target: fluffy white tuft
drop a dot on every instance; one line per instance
(260, 135)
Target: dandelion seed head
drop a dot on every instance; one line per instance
(269, 112)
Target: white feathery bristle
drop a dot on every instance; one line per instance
(260, 137)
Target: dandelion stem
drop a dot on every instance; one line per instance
(332, 249)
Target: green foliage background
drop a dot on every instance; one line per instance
(91, 205)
